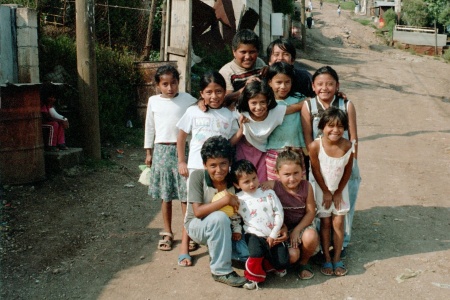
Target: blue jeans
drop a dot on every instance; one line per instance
(353, 188)
(214, 230)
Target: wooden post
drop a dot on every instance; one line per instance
(302, 21)
(87, 78)
(148, 40)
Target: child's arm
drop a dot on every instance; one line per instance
(240, 132)
(306, 125)
(307, 219)
(337, 196)
(148, 156)
(294, 108)
(202, 210)
(315, 166)
(149, 134)
(278, 218)
(352, 128)
(181, 148)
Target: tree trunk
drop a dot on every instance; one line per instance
(148, 41)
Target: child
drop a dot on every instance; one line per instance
(289, 134)
(284, 50)
(331, 163)
(257, 105)
(246, 65)
(54, 121)
(204, 222)
(263, 218)
(163, 113)
(326, 86)
(217, 120)
(297, 198)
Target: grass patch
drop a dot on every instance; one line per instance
(365, 22)
(347, 5)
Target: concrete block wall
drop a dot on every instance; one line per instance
(27, 45)
(8, 48)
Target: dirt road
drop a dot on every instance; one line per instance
(89, 237)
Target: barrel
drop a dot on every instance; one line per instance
(21, 142)
(146, 85)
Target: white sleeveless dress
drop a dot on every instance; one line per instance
(332, 169)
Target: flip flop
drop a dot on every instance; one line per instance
(182, 257)
(308, 268)
(165, 245)
(327, 266)
(193, 246)
(339, 265)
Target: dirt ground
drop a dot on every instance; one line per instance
(86, 235)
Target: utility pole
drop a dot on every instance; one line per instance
(87, 77)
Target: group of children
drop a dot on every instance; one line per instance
(245, 163)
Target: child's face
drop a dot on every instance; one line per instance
(217, 168)
(279, 54)
(290, 174)
(258, 107)
(333, 130)
(248, 183)
(325, 87)
(168, 85)
(245, 55)
(281, 85)
(214, 95)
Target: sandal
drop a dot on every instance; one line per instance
(63, 147)
(327, 269)
(165, 245)
(308, 268)
(193, 246)
(184, 257)
(339, 265)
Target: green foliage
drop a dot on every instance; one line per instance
(365, 22)
(446, 55)
(283, 6)
(347, 5)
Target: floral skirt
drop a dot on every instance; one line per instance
(165, 181)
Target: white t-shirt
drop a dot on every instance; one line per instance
(203, 125)
(257, 132)
(162, 117)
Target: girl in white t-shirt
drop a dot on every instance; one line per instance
(163, 113)
(257, 104)
(201, 125)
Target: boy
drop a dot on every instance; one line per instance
(204, 223)
(263, 218)
(284, 50)
(246, 65)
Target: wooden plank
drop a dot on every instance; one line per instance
(176, 51)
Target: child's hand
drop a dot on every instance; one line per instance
(337, 200)
(243, 119)
(270, 241)
(148, 160)
(267, 185)
(202, 105)
(327, 199)
(232, 200)
(282, 236)
(183, 170)
(252, 78)
(342, 95)
(236, 236)
(65, 123)
(295, 238)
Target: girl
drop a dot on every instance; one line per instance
(217, 120)
(297, 198)
(326, 87)
(331, 163)
(256, 103)
(163, 113)
(52, 120)
(289, 134)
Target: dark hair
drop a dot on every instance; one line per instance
(251, 90)
(217, 147)
(280, 68)
(284, 45)
(47, 91)
(166, 70)
(212, 77)
(245, 36)
(326, 70)
(241, 167)
(333, 114)
(288, 155)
